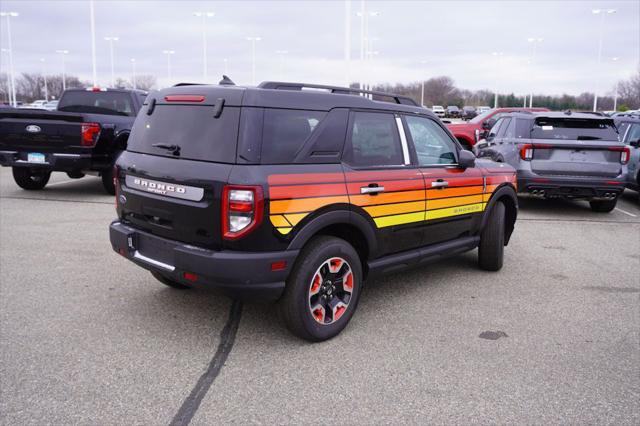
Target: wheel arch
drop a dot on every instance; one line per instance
(506, 194)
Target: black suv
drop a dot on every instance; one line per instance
(299, 193)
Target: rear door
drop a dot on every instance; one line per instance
(383, 185)
(454, 196)
(179, 157)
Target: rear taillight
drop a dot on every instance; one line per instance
(242, 208)
(184, 98)
(90, 132)
(624, 151)
(526, 152)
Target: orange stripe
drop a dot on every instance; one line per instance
(394, 197)
(452, 202)
(300, 191)
(389, 209)
(453, 192)
(304, 204)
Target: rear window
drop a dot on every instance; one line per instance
(109, 103)
(574, 129)
(193, 129)
(285, 131)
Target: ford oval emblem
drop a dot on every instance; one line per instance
(32, 128)
(122, 199)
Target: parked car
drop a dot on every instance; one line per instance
(453, 112)
(279, 193)
(482, 109)
(629, 129)
(438, 110)
(475, 129)
(85, 135)
(39, 104)
(468, 112)
(562, 154)
(51, 105)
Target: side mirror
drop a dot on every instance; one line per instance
(487, 125)
(466, 159)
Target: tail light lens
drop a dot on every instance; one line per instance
(526, 152)
(625, 153)
(90, 132)
(242, 208)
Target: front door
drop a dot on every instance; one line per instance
(454, 196)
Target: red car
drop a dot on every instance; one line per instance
(470, 132)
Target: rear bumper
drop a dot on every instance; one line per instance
(571, 187)
(245, 275)
(53, 161)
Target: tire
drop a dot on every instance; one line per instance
(30, 180)
(319, 279)
(107, 181)
(75, 175)
(603, 206)
(491, 249)
(166, 281)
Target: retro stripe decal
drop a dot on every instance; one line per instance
(407, 197)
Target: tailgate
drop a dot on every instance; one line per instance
(40, 131)
(577, 159)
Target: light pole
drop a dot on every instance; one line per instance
(93, 44)
(133, 75)
(12, 80)
(365, 46)
(347, 42)
(9, 95)
(617, 87)
(169, 53)
(44, 76)
(204, 16)
(111, 40)
(281, 54)
(253, 40)
(423, 62)
(64, 75)
(499, 56)
(602, 13)
(535, 41)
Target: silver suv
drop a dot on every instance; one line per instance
(561, 154)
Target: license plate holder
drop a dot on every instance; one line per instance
(36, 157)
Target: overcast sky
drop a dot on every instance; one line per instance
(456, 38)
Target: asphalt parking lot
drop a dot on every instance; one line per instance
(89, 338)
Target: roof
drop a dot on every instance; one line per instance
(294, 96)
(559, 114)
(104, 89)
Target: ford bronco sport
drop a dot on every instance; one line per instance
(299, 193)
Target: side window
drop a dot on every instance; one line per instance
(503, 128)
(510, 132)
(523, 128)
(285, 131)
(495, 129)
(633, 134)
(433, 145)
(373, 141)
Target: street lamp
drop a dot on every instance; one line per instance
(499, 56)
(44, 76)
(602, 13)
(617, 88)
(64, 77)
(3, 50)
(111, 40)
(12, 80)
(281, 54)
(423, 62)
(133, 69)
(253, 40)
(535, 41)
(204, 16)
(169, 53)
(92, 20)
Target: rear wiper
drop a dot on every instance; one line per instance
(587, 138)
(175, 149)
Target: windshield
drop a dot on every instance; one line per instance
(582, 129)
(109, 103)
(480, 118)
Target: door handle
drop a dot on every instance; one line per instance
(372, 190)
(439, 184)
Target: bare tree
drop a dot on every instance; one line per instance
(629, 92)
(146, 82)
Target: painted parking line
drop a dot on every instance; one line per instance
(626, 212)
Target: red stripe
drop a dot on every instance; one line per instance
(301, 191)
(297, 178)
(389, 186)
(374, 176)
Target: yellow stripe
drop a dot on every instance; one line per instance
(284, 231)
(455, 211)
(295, 218)
(279, 220)
(452, 202)
(486, 197)
(389, 209)
(398, 219)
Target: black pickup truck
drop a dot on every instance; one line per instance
(84, 136)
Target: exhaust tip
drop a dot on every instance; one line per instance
(534, 192)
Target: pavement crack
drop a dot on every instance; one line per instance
(227, 338)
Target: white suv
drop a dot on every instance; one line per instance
(438, 110)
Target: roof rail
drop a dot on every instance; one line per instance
(277, 85)
(188, 84)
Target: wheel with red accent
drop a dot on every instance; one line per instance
(323, 289)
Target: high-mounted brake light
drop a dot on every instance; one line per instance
(624, 151)
(242, 208)
(90, 132)
(184, 98)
